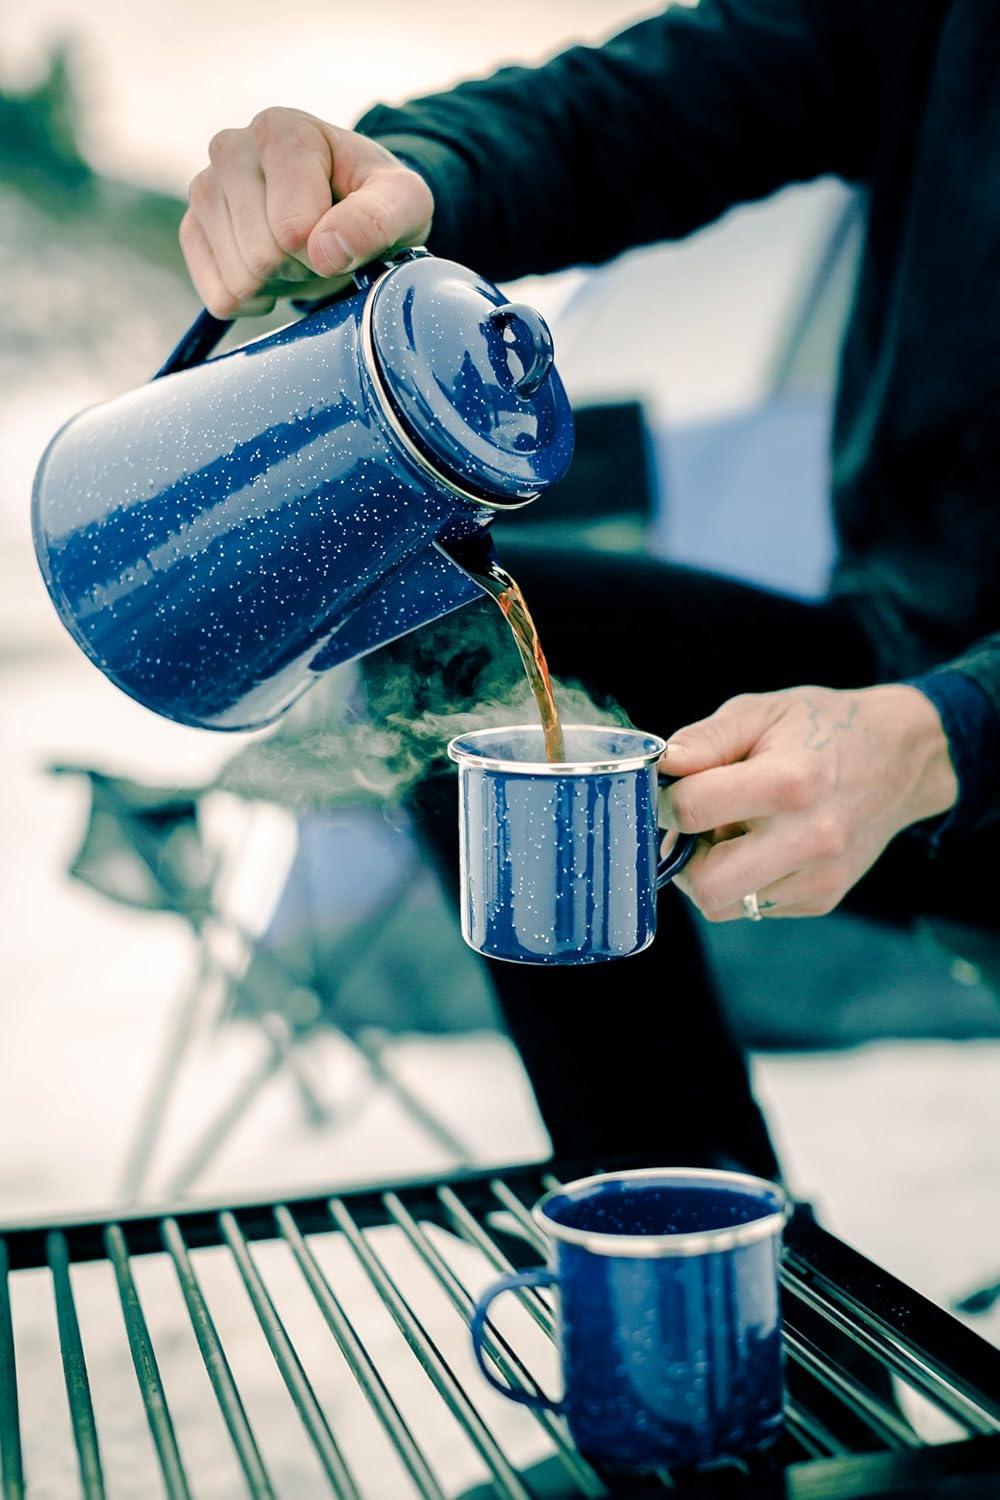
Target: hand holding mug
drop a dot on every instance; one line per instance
(797, 793)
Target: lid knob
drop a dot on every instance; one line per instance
(515, 328)
(471, 379)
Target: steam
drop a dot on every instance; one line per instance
(372, 736)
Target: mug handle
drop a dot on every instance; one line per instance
(684, 846)
(537, 1276)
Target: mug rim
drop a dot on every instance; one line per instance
(657, 1246)
(559, 767)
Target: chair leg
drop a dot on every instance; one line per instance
(156, 1102)
(221, 1127)
(374, 1054)
(281, 1044)
(275, 1030)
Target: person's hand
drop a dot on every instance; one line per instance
(798, 793)
(291, 204)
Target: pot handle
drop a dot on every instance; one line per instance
(196, 345)
(207, 330)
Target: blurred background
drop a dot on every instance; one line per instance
(206, 990)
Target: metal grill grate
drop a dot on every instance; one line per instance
(402, 1413)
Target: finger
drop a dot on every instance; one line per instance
(388, 209)
(205, 274)
(713, 836)
(736, 913)
(756, 788)
(811, 892)
(201, 263)
(725, 736)
(208, 203)
(237, 167)
(296, 159)
(203, 270)
(718, 876)
(770, 910)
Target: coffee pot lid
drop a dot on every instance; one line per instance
(470, 377)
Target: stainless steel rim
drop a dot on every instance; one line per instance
(556, 767)
(656, 1246)
(399, 431)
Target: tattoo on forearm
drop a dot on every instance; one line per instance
(822, 728)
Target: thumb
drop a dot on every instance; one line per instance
(388, 205)
(726, 736)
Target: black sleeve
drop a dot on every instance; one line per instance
(653, 134)
(980, 664)
(966, 695)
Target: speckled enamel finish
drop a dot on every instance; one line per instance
(217, 538)
(559, 867)
(668, 1358)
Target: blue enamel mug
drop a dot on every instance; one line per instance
(559, 860)
(217, 539)
(669, 1322)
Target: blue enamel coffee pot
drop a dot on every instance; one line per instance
(218, 538)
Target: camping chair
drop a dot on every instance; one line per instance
(143, 847)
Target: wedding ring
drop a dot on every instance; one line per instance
(751, 908)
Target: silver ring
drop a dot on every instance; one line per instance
(751, 908)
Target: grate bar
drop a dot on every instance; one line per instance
(81, 1406)
(147, 1372)
(511, 1201)
(216, 1364)
(11, 1462)
(812, 1434)
(359, 1361)
(825, 1282)
(880, 1419)
(289, 1364)
(507, 1361)
(892, 1349)
(470, 1229)
(439, 1372)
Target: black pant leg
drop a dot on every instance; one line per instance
(634, 1057)
(625, 1059)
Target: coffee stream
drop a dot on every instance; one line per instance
(507, 592)
(501, 587)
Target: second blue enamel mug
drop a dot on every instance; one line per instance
(559, 861)
(669, 1316)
